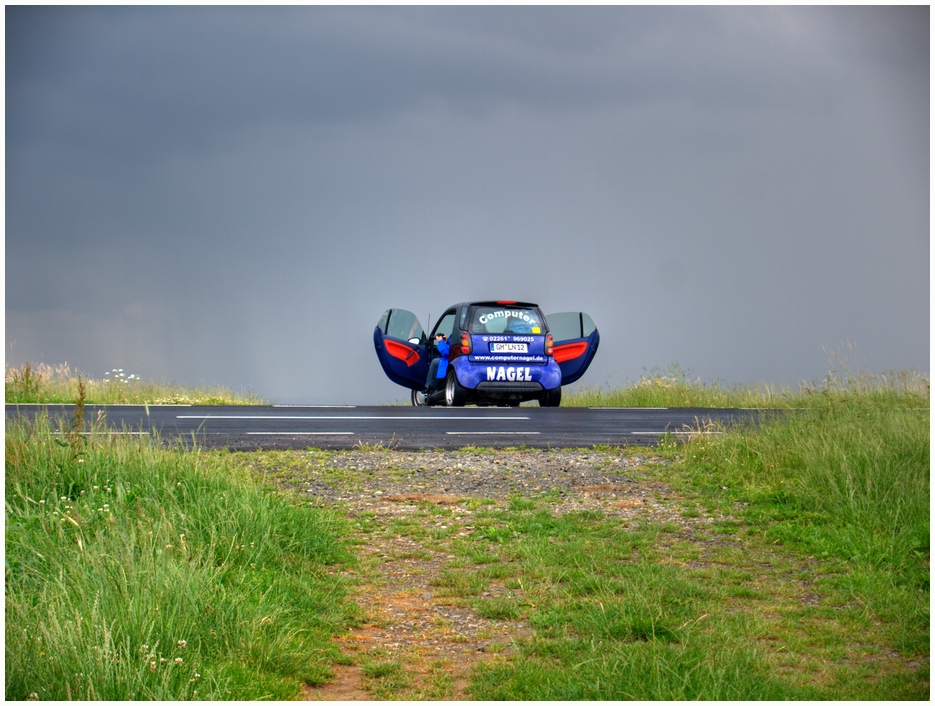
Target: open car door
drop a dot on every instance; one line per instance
(575, 340)
(401, 347)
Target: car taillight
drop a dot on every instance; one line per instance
(466, 343)
(548, 344)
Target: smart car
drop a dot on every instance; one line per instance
(501, 353)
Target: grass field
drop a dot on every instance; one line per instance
(798, 568)
(816, 588)
(136, 572)
(58, 384)
(674, 387)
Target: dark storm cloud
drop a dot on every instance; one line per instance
(235, 194)
(143, 81)
(181, 78)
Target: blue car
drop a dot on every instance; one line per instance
(499, 353)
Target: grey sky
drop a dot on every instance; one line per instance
(234, 195)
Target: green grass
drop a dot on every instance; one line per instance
(815, 587)
(384, 675)
(59, 384)
(847, 482)
(613, 618)
(639, 614)
(674, 387)
(137, 572)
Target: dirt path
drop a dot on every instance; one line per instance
(417, 640)
(421, 638)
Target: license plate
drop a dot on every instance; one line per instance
(509, 347)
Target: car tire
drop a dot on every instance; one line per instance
(418, 399)
(551, 398)
(455, 394)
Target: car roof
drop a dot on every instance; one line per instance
(492, 302)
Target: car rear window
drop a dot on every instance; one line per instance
(506, 319)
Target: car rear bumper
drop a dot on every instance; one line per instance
(512, 378)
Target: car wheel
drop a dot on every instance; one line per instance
(455, 394)
(551, 398)
(418, 398)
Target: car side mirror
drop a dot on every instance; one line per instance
(415, 341)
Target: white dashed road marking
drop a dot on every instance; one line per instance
(493, 433)
(300, 433)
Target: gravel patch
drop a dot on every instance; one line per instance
(571, 479)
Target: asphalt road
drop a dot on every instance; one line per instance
(285, 427)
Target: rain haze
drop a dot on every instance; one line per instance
(233, 196)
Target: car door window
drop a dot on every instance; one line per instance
(570, 324)
(587, 325)
(401, 324)
(565, 326)
(445, 324)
